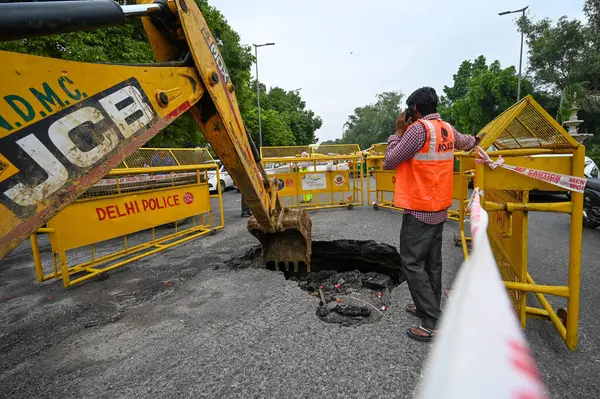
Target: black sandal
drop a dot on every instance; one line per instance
(421, 338)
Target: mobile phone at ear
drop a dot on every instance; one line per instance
(409, 112)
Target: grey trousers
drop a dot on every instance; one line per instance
(245, 210)
(421, 257)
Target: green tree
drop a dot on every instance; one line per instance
(479, 94)
(238, 58)
(292, 109)
(373, 123)
(128, 44)
(557, 52)
(564, 60)
(461, 78)
(275, 130)
(577, 95)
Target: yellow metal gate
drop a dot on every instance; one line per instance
(316, 177)
(154, 200)
(381, 193)
(527, 137)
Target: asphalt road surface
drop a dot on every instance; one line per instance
(182, 324)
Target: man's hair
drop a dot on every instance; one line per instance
(425, 99)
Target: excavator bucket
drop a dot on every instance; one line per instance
(288, 248)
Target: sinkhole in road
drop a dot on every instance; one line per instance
(352, 280)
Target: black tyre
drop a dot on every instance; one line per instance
(222, 184)
(590, 224)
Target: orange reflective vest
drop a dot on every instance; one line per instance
(424, 182)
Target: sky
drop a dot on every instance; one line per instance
(343, 53)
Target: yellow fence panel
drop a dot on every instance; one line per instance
(112, 217)
(288, 184)
(526, 136)
(154, 200)
(381, 195)
(316, 177)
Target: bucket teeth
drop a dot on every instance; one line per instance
(290, 247)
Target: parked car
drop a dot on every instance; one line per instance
(226, 180)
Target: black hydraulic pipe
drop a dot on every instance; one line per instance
(255, 151)
(256, 155)
(29, 19)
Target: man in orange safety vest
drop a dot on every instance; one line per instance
(422, 152)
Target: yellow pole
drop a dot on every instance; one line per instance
(135, 258)
(37, 262)
(54, 264)
(560, 207)
(64, 267)
(362, 182)
(463, 241)
(461, 201)
(221, 214)
(556, 290)
(368, 180)
(523, 264)
(538, 312)
(480, 181)
(553, 317)
(575, 254)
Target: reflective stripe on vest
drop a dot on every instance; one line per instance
(424, 182)
(432, 154)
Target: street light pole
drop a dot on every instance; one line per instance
(256, 46)
(521, 52)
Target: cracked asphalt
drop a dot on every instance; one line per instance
(180, 324)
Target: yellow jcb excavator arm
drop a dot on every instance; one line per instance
(64, 124)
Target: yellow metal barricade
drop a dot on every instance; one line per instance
(460, 188)
(316, 177)
(381, 194)
(464, 173)
(526, 136)
(155, 199)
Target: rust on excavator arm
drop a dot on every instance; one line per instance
(64, 124)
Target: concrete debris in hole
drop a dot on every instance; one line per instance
(349, 297)
(360, 274)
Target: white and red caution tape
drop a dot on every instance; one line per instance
(571, 183)
(479, 350)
